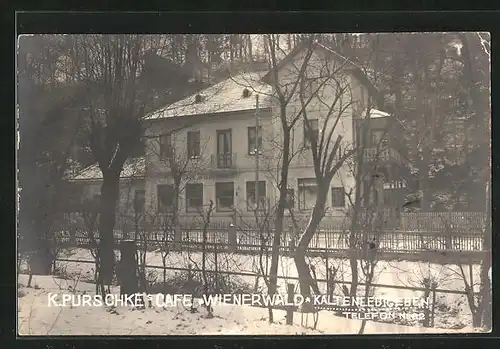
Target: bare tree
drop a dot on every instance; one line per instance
(284, 93)
(335, 100)
(179, 163)
(476, 57)
(287, 78)
(206, 222)
(49, 122)
(111, 67)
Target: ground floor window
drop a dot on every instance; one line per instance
(194, 197)
(139, 200)
(338, 197)
(308, 190)
(165, 193)
(75, 192)
(224, 193)
(290, 199)
(251, 190)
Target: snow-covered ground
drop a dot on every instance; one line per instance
(395, 272)
(452, 310)
(35, 317)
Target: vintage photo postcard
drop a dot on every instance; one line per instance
(254, 184)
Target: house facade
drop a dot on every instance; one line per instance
(216, 145)
(84, 193)
(224, 145)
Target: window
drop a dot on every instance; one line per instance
(166, 149)
(224, 146)
(376, 137)
(390, 197)
(193, 144)
(139, 201)
(251, 195)
(393, 196)
(224, 193)
(252, 140)
(165, 198)
(290, 198)
(372, 191)
(367, 192)
(311, 132)
(194, 196)
(75, 193)
(338, 197)
(308, 190)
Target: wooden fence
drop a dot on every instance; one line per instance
(389, 245)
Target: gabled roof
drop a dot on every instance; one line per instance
(352, 67)
(226, 96)
(133, 168)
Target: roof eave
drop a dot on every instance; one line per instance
(183, 116)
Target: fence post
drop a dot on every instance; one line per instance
(232, 238)
(127, 268)
(289, 312)
(433, 286)
(427, 285)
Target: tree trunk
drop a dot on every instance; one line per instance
(280, 212)
(305, 278)
(249, 47)
(107, 218)
(353, 256)
(42, 258)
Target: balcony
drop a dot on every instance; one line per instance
(223, 163)
(382, 155)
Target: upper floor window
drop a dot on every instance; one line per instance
(224, 149)
(165, 193)
(254, 140)
(377, 137)
(311, 131)
(166, 146)
(193, 144)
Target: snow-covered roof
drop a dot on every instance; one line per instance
(133, 168)
(375, 113)
(226, 96)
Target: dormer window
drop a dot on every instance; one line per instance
(198, 98)
(246, 93)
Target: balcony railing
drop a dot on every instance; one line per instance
(376, 154)
(224, 161)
